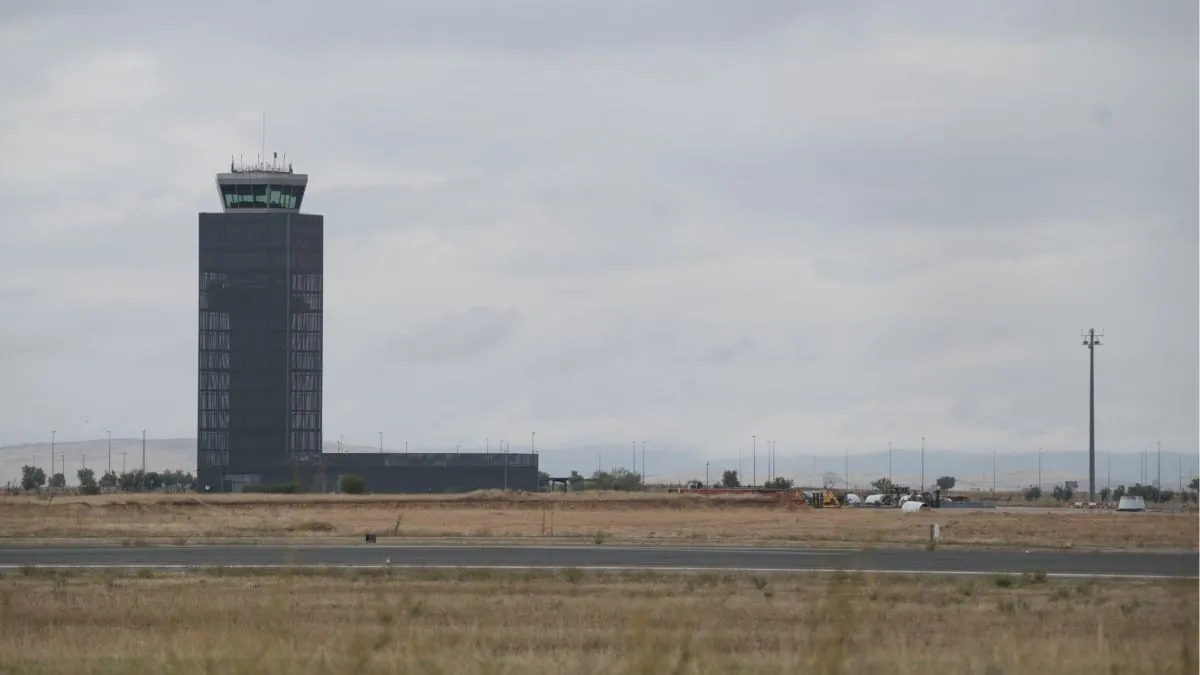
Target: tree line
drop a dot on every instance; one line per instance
(34, 478)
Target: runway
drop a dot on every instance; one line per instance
(615, 557)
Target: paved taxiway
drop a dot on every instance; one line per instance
(919, 561)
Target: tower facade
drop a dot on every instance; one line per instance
(260, 331)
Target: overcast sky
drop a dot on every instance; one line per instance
(835, 224)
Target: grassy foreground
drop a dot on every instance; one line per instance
(601, 516)
(467, 622)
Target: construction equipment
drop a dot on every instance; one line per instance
(819, 499)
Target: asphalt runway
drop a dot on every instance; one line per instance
(912, 561)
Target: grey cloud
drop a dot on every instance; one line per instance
(728, 353)
(457, 336)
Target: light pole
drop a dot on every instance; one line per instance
(381, 442)
(706, 480)
(504, 451)
(993, 472)
(889, 464)
(754, 460)
(109, 470)
(533, 441)
(142, 482)
(643, 462)
(1158, 492)
(1039, 468)
(53, 434)
(922, 464)
(406, 447)
(1091, 340)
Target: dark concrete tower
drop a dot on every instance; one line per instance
(261, 265)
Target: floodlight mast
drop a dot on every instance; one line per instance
(1091, 340)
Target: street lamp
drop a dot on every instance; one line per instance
(1091, 340)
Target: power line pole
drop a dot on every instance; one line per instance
(922, 465)
(1091, 340)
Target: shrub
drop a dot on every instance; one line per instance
(352, 484)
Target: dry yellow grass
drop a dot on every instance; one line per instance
(670, 518)
(467, 622)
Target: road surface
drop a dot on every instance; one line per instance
(919, 561)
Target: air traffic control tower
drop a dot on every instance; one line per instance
(261, 262)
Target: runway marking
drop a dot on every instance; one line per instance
(596, 568)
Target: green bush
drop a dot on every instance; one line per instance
(352, 484)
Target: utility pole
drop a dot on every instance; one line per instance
(381, 442)
(53, 434)
(142, 482)
(1039, 468)
(706, 480)
(993, 472)
(889, 464)
(123, 462)
(633, 467)
(922, 465)
(1091, 340)
(1158, 493)
(643, 462)
(109, 451)
(847, 469)
(1109, 457)
(754, 460)
(533, 441)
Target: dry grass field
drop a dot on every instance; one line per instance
(601, 516)
(467, 622)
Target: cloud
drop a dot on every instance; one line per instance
(457, 336)
(830, 223)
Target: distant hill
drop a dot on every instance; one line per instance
(679, 464)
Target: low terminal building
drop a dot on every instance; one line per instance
(390, 472)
